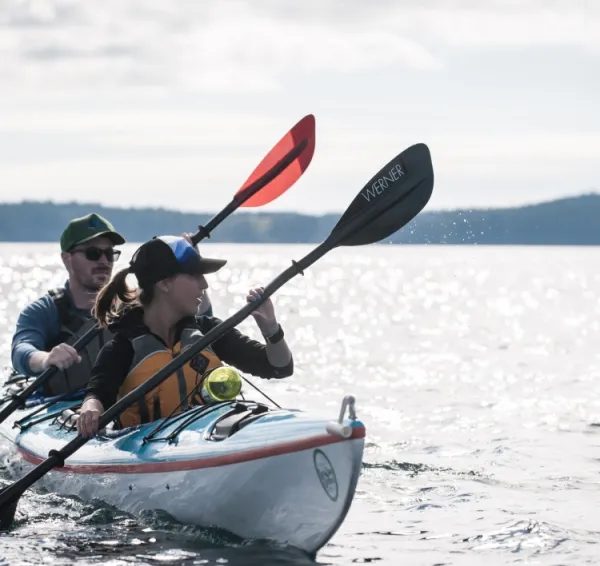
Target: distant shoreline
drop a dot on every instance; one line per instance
(566, 221)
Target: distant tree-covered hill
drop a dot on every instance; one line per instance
(568, 221)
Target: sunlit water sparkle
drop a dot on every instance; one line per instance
(476, 371)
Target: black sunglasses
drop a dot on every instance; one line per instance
(94, 254)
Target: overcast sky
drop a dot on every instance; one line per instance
(173, 103)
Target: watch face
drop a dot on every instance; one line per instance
(199, 363)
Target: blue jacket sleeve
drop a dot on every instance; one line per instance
(37, 325)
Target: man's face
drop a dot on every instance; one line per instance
(90, 268)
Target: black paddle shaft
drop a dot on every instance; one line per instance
(10, 495)
(18, 401)
(240, 198)
(383, 204)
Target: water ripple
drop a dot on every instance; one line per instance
(476, 371)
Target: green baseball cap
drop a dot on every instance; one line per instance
(80, 230)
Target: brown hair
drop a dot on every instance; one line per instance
(116, 296)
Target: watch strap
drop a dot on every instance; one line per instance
(276, 337)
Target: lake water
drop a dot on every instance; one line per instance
(476, 371)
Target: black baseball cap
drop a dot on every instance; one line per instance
(167, 256)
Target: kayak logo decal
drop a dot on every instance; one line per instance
(326, 474)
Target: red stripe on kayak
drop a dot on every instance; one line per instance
(199, 463)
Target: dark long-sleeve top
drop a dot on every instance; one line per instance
(234, 348)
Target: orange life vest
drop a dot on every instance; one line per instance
(171, 396)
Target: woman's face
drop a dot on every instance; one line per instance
(185, 293)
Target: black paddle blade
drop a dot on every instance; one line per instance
(389, 201)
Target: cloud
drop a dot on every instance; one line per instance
(523, 25)
(499, 23)
(207, 46)
(145, 121)
(55, 53)
(118, 96)
(241, 45)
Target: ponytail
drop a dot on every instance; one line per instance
(116, 296)
(110, 298)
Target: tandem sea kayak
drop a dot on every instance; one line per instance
(260, 473)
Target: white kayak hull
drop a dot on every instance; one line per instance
(283, 477)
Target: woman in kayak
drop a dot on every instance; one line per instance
(154, 322)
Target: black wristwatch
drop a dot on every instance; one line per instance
(277, 337)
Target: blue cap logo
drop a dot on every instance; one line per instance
(94, 222)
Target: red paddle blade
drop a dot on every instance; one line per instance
(304, 129)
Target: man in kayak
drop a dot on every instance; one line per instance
(153, 323)
(47, 327)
